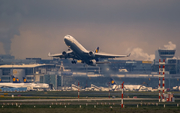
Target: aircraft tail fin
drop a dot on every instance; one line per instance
(24, 80)
(18, 81)
(15, 79)
(97, 50)
(112, 82)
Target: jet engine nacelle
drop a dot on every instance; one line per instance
(91, 54)
(64, 53)
(92, 62)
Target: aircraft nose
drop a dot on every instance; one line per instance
(67, 39)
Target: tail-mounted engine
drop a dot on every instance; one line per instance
(91, 54)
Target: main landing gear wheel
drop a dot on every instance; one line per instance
(73, 62)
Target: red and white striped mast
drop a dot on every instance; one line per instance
(163, 82)
(109, 89)
(78, 90)
(159, 87)
(122, 95)
(163, 79)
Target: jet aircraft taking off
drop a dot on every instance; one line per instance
(78, 52)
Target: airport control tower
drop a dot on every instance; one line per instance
(171, 64)
(163, 54)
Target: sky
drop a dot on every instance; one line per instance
(36, 27)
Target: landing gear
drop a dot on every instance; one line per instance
(73, 62)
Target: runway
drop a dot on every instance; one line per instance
(68, 100)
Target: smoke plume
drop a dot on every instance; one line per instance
(10, 20)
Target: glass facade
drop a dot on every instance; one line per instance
(6, 71)
(167, 52)
(51, 79)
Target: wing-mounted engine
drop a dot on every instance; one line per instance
(91, 54)
(65, 54)
(92, 62)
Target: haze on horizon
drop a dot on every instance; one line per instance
(35, 28)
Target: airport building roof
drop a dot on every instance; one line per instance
(22, 66)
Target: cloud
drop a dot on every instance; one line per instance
(139, 54)
(170, 46)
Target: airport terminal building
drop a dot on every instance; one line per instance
(29, 71)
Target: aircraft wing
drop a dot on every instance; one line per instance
(69, 54)
(106, 55)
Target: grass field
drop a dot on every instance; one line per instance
(88, 109)
(102, 106)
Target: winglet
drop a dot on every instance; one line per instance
(49, 54)
(129, 55)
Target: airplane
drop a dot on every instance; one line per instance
(35, 85)
(17, 84)
(77, 52)
(115, 86)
